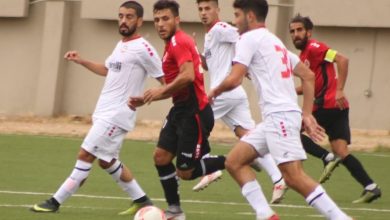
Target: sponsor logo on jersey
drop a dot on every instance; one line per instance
(115, 66)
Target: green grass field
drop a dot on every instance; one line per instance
(33, 167)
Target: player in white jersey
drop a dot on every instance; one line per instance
(126, 69)
(270, 66)
(231, 107)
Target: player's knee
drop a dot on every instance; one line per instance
(85, 156)
(105, 165)
(291, 179)
(161, 157)
(231, 165)
(341, 152)
(184, 174)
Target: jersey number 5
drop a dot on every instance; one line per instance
(287, 72)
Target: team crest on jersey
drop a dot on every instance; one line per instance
(124, 49)
(115, 66)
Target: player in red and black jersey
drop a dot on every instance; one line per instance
(189, 122)
(331, 107)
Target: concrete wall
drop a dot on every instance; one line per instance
(35, 79)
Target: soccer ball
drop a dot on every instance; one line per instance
(150, 213)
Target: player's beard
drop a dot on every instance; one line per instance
(129, 30)
(300, 45)
(173, 32)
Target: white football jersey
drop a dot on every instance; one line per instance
(219, 46)
(270, 67)
(128, 66)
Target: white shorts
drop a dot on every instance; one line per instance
(233, 112)
(104, 140)
(279, 135)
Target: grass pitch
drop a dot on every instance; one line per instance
(33, 167)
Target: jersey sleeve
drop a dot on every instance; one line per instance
(226, 33)
(244, 51)
(151, 62)
(181, 52)
(107, 62)
(294, 59)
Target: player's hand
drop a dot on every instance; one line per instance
(153, 94)
(135, 102)
(248, 76)
(73, 56)
(341, 100)
(312, 128)
(211, 96)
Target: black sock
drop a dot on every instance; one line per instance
(313, 149)
(55, 202)
(357, 171)
(169, 183)
(142, 199)
(208, 165)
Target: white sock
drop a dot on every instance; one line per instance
(72, 184)
(329, 157)
(131, 188)
(320, 200)
(252, 192)
(371, 186)
(269, 165)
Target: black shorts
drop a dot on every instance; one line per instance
(185, 134)
(335, 122)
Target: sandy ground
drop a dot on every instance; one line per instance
(76, 126)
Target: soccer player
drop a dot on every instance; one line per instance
(190, 120)
(232, 107)
(331, 107)
(264, 57)
(126, 69)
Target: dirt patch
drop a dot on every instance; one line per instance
(76, 126)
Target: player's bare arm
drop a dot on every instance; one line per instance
(342, 70)
(315, 131)
(233, 80)
(138, 101)
(184, 78)
(299, 90)
(96, 68)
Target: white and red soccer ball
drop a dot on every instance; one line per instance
(150, 213)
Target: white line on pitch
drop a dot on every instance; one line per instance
(190, 201)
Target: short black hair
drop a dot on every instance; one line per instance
(259, 7)
(139, 10)
(167, 4)
(199, 1)
(306, 21)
